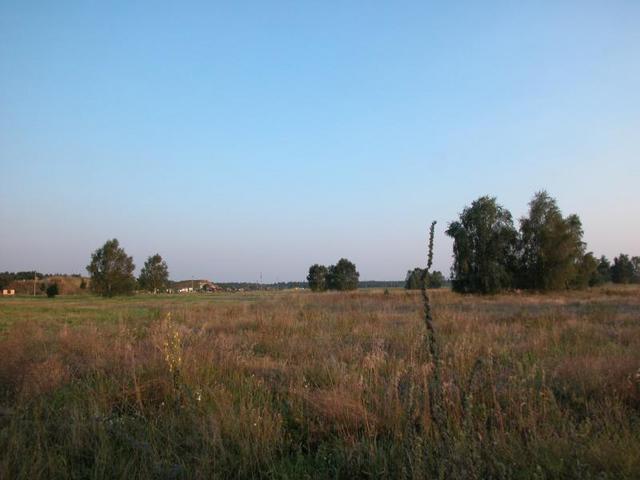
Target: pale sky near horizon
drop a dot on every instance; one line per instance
(243, 137)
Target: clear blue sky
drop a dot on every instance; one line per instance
(243, 137)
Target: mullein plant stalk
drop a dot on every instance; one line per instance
(435, 383)
(436, 395)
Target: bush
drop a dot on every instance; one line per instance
(52, 290)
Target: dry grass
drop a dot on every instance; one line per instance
(321, 386)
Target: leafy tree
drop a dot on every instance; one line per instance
(154, 275)
(636, 269)
(586, 270)
(484, 242)
(111, 270)
(603, 272)
(413, 280)
(317, 278)
(552, 246)
(52, 290)
(5, 279)
(435, 279)
(622, 270)
(343, 276)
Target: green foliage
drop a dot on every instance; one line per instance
(484, 242)
(585, 272)
(154, 275)
(52, 290)
(317, 278)
(435, 279)
(343, 276)
(552, 245)
(413, 280)
(111, 270)
(602, 274)
(7, 278)
(624, 270)
(547, 254)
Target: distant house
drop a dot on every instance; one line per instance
(9, 292)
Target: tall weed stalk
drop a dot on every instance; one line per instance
(430, 340)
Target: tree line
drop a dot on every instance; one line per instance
(545, 253)
(249, 286)
(6, 278)
(490, 255)
(49, 287)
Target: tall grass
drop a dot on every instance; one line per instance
(334, 385)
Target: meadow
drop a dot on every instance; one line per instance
(329, 385)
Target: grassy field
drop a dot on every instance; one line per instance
(334, 385)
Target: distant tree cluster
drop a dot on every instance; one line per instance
(111, 271)
(341, 276)
(250, 286)
(33, 282)
(413, 280)
(7, 278)
(253, 286)
(546, 253)
(623, 270)
(381, 284)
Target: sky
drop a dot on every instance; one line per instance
(240, 138)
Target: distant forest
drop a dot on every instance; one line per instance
(7, 277)
(290, 285)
